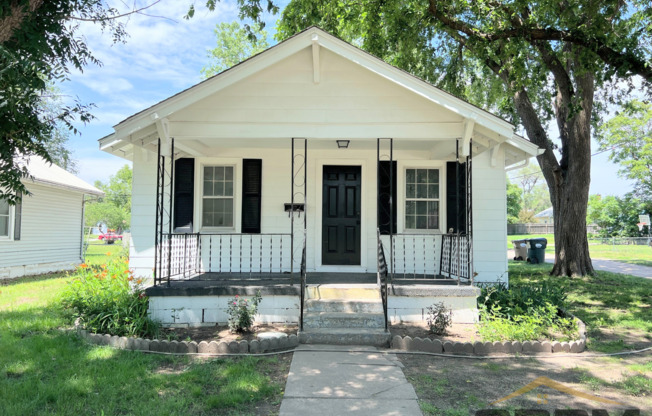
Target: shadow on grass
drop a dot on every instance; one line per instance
(46, 370)
(605, 300)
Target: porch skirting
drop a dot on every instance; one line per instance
(185, 305)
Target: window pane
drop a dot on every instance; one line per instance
(411, 191)
(422, 175)
(228, 173)
(228, 188)
(433, 208)
(433, 175)
(4, 226)
(208, 188)
(433, 191)
(422, 207)
(422, 222)
(410, 176)
(219, 173)
(4, 207)
(219, 188)
(410, 222)
(433, 222)
(410, 207)
(422, 191)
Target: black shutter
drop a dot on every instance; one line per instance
(184, 184)
(383, 196)
(252, 170)
(456, 197)
(18, 213)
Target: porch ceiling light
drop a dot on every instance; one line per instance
(343, 144)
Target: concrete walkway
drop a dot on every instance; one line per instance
(606, 265)
(347, 383)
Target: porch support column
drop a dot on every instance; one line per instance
(466, 138)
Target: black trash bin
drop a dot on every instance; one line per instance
(536, 250)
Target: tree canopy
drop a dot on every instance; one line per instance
(114, 209)
(234, 45)
(628, 137)
(515, 58)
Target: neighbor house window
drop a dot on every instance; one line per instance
(422, 199)
(5, 218)
(217, 196)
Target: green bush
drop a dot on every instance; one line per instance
(108, 299)
(439, 318)
(241, 312)
(523, 313)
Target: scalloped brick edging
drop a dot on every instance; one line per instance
(485, 348)
(191, 347)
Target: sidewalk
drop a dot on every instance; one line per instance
(347, 383)
(606, 266)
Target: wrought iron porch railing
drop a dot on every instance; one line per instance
(428, 256)
(383, 276)
(185, 255)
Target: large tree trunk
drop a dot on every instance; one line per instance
(569, 179)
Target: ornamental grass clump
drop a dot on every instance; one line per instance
(242, 311)
(108, 299)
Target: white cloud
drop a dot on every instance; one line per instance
(100, 167)
(106, 86)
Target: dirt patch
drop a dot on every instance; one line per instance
(463, 386)
(222, 332)
(455, 333)
(278, 374)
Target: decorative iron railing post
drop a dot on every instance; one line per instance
(382, 276)
(469, 210)
(157, 257)
(171, 190)
(303, 286)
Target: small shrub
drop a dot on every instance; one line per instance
(523, 313)
(242, 311)
(108, 299)
(439, 318)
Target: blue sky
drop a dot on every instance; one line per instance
(163, 56)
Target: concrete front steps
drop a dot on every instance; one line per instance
(344, 315)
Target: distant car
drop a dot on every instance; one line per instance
(110, 237)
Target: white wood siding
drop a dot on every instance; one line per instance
(489, 219)
(50, 233)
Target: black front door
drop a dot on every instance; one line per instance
(340, 241)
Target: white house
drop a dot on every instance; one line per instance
(545, 216)
(291, 152)
(43, 233)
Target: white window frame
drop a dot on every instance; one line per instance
(10, 225)
(401, 196)
(236, 164)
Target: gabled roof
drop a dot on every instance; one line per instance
(45, 173)
(545, 213)
(148, 117)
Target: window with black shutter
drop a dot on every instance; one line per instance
(252, 170)
(184, 183)
(384, 186)
(456, 197)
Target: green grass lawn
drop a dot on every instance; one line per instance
(610, 304)
(99, 253)
(46, 369)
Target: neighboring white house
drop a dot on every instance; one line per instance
(43, 233)
(545, 216)
(317, 120)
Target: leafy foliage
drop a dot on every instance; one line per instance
(513, 202)
(522, 313)
(109, 300)
(628, 136)
(617, 216)
(241, 312)
(439, 318)
(234, 45)
(114, 209)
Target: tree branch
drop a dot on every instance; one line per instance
(117, 16)
(15, 18)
